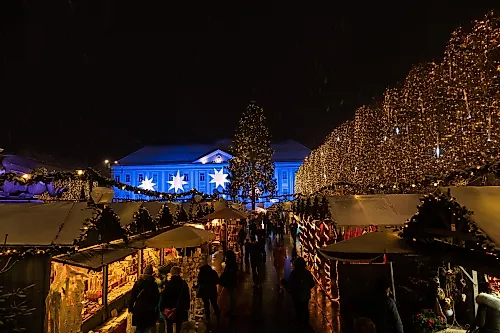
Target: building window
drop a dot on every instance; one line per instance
(186, 177)
(284, 175)
(285, 191)
(140, 178)
(117, 178)
(202, 176)
(127, 178)
(155, 178)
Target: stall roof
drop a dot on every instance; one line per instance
(101, 255)
(381, 209)
(43, 224)
(60, 223)
(96, 257)
(367, 247)
(483, 201)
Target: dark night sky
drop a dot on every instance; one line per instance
(99, 78)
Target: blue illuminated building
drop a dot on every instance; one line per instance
(203, 167)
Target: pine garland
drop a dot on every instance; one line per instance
(437, 208)
(182, 215)
(103, 227)
(143, 222)
(165, 218)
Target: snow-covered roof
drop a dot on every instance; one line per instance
(287, 151)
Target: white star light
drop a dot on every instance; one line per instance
(177, 182)
(147, 184)
(219, 178)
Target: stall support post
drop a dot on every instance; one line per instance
(475, 290)
(162, 257)
(392, 280)
(139, 262)
(105, 291)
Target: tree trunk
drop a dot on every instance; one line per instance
(252, 168)
(253, 197)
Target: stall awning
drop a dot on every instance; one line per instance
(227, 213)
(367, 247)
(181, 237)
(383, 209)
(125, 210)
(43, 224)
(96, 257)
(483, 201)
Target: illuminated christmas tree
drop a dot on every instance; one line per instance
(251, 170)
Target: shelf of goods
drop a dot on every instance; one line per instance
(78, 300)
(494, 283)
(190, 268)
(232, 236)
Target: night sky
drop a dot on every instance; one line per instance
(99, 79)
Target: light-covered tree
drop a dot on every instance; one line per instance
(251, 170)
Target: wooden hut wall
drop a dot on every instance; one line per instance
(34, 270)
(357, 283)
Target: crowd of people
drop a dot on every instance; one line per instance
(169, 301)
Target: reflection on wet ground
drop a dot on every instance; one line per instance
(266, 310)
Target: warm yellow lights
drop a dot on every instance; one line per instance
(79, 172)
(106, 161)
(444, 117)
(26, 176)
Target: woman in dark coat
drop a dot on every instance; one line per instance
(229, 278)
(176, 296)
(299, 285)
(144, 301)
(207, 289)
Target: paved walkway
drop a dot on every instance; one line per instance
(264, 310)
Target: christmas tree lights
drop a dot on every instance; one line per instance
(251, 170)
(436, 128)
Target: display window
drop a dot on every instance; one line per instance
(121, 277)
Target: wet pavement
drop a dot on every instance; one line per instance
(266, 310)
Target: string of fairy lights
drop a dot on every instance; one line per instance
(442, 120)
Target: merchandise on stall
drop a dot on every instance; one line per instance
(494, 283)
(121, 277)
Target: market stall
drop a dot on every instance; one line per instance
(185, 237)
(228, 216)
(350, 216)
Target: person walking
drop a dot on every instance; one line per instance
(256, 262)
(175, 301)
(386, 316)
(144, 301)
(261, 241)
(488, 311)
(253, 229)
(242, 235)
(279, 255)
(299, 285)
(293, 232)
(229, 279)
(223, 237)
(207, 290)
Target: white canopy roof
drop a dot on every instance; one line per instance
(55, 222)
(484, 202)
(181, 237)
(379, 209)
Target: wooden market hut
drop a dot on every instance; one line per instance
(40, 227)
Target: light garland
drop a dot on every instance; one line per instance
(442, 119)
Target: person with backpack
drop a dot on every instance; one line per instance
(299, 285)
(207, 289)
(143, 302)
(175, 301)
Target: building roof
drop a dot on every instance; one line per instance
(287, 151)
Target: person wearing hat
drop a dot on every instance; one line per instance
(143, 302)
(175, 301)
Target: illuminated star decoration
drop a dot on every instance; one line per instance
(147, 184)
(177, 182)
(219, 178)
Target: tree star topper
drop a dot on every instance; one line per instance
(147, 184)
(177, 182)
(219, 178)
